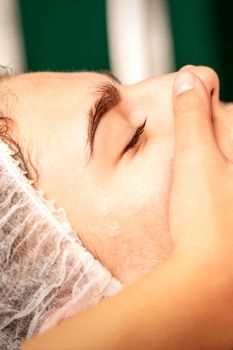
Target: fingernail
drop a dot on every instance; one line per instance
(184, 81)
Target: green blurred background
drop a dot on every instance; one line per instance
(65, 34)
(72, 35)
(202, 33)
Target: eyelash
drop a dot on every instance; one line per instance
(133, 142)
(135, 137)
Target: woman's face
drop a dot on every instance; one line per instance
(116, 194)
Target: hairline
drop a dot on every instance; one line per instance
(6, 127)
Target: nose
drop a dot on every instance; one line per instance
(153, 97)
(150, 98)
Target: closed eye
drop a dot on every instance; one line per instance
(109, 98)
(135, 137)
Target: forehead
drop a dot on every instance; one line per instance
(47, 95)
(51, 88)
(40, 79)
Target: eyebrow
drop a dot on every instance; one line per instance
(110, 75)
(109, 97)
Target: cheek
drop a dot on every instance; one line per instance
(128, 226)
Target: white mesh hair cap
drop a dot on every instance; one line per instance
(46, 274)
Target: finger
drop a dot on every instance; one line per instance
(187, 67)
(209, 77)
(197, 158)
(194, 135)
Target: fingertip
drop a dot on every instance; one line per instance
(187, 67)
(188, 83)
(184, 81)
(208, 77)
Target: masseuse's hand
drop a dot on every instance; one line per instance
(201, 204)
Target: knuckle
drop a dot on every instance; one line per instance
(210, 71)
(209, 76)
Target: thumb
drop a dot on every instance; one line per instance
(192, 113)
(197, 158)
(194, 135)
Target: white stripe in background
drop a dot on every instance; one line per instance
(11, 43)
(139, 39)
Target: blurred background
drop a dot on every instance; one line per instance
(133, 38)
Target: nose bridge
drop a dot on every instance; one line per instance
(152, 87)
(138, 95)
(150, 98)
(153, 103)
(135, 102)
